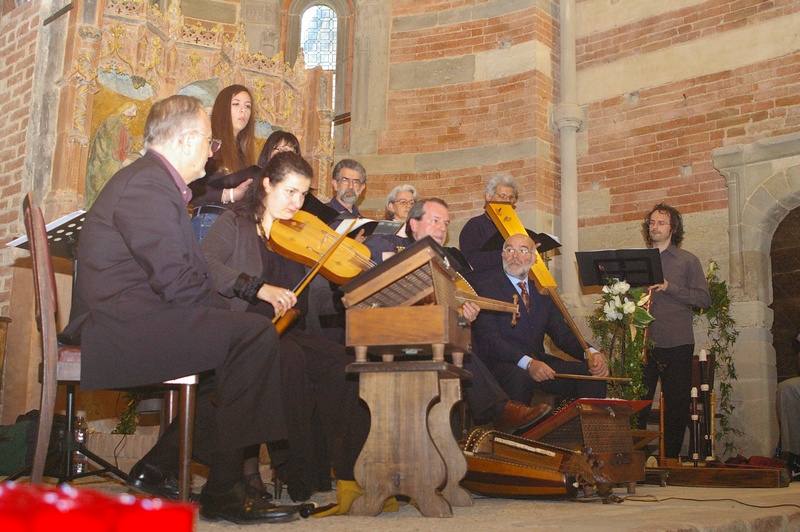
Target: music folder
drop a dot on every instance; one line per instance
(62, 235)
(545, 242)
(637, 267)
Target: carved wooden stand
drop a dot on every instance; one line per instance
(410, 449)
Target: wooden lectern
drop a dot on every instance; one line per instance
(407, 308)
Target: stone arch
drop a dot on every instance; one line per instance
(763, 180)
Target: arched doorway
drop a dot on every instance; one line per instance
(785, 258)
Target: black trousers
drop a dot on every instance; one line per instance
(520, 387)
(320, 396)
(483, 394)
(673, 365)
(237, 405)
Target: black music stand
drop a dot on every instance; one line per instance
(637, 267)
(62, 236)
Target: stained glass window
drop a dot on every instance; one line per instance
(318, 35)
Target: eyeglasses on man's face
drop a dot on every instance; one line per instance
(522, 252)
(506, 197)
(659, 223)
(404, 202)
(213, 144)
(346, 182)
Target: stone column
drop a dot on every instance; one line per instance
(568, 118)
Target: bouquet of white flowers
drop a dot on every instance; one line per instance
(619, 325)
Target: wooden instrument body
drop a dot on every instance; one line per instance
(305, 239)
(510, 466)
(602, 425)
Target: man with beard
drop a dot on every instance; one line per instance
(670, 358)
(348, 180)
(515, 354)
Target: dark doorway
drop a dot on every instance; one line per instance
(785, 258)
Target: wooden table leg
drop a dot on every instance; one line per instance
(442, 434)
(399, 456)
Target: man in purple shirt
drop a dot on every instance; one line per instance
(145, 311)
(670, 358)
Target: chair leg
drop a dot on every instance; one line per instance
(186, 413)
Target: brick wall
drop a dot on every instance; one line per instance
(19, 30)
(655, 144)
(470, 113)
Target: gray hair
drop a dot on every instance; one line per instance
(170, 118)
(352, 164)
(501, 180)
(393, 196)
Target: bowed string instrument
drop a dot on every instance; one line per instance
(308, 240)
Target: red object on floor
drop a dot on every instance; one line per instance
(29, 508)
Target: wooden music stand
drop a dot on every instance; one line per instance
(407, 307)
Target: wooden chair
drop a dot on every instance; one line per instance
(62, 364)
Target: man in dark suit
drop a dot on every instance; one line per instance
(515, 354)
(145, 311)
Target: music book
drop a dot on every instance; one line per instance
(370, 227)
(62, 235)
(234, 179)
(546, 241)
(637, 267)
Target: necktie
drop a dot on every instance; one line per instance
(526, 299)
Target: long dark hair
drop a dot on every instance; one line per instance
(675, 223)
(252, 205)
(273, 141)
(236, 152)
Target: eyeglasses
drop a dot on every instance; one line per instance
(213, 144)
(659, 223)
(506, 197)
(347, 182)
(521, 251)
(404, 202)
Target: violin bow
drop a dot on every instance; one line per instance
(317, 267)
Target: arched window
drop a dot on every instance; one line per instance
(323, 29)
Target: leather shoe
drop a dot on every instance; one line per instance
(518, 416)
(151, 480)
(241, 506)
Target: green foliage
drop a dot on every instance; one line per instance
(722, 335)
(129, 418)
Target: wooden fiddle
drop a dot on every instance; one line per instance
(305, 239)
(284, 321)
(464, 292)
(508, 223)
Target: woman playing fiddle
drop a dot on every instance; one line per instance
(245, 269)
(232, 124)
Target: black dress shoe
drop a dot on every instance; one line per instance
(242, 506)
(518, 417)
(151, 480)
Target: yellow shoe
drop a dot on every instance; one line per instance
(348, 491)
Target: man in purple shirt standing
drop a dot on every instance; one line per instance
(670, 358)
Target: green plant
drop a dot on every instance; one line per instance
(722, 335)
(129, 418)
(619, 324)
